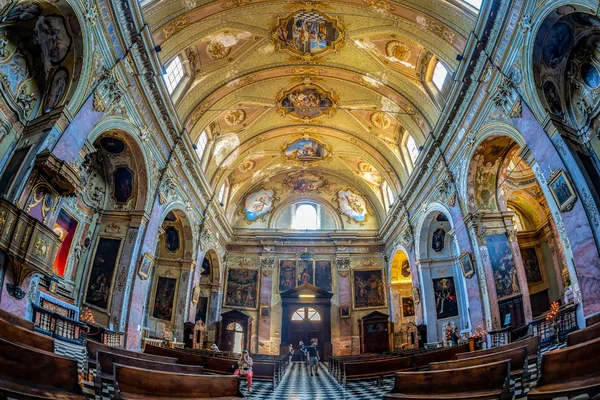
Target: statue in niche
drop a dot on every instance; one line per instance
(438, 239)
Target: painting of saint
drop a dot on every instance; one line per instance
(323, 278)
(352, 205)
(287, 275)
(438, 239)
(123, 184)
(408, 307)
(24, 11)
(172, 239)
(201, 309)
(101, 273)
(305, 272)
(205, 269)
(241, 288)
(531, 265)
(306, 32)
(17, 71)
(259, 204)
(164, 298)
(446, 302)
(368, 289)
(557, 44)
(306, 150)
(305, 182)
(561, 189)
(552, 97)
(306, 102)
(52, 34)
(503, 265)
(58, 87)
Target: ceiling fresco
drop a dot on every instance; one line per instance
(310, 92)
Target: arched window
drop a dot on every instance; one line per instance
(306, 314)
(174, 74)
(223, 193)
(439, 75)
(412, 148)
(306, 217)
(201, 144)
(388, 195)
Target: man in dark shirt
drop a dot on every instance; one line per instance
(313, 358)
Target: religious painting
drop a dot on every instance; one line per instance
(164, 298)
(145, 266)
(306, 151)
(235, 117)
(112, 144)
(264, 311)
(557, 45)
(102, 272)
(503, 265)
(305, 182)
(408, 307)
(24, 11)
(57, 90)
(562, 191)
(305, 272)
(446, 302)
(323, 277)
(353, 205)
(416, 295)
(172, 239)
(53, 36)
(196, 294)
(259, 204)
(438, 240)
(123, 184)
(467, 265)
(205, 268)
(368, 289)
(308, 33)
(287, 275)
(405, 271)
(552, 97)
(532, 265)
(381, 119)
(201, 309)
(241, 288)
(306, 102)
(344, 311)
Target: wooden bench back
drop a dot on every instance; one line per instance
(26, 337)
(532, 344)
(145, 382)
(517, 358)
(16, 320)
(219, 365)
(374, 367)
(105, 362)
(571, 362)
(94, 347)
(182, 356)
(471, 379)
(423, 360)
(584, 335)
(38, 368)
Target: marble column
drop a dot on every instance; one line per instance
(344, 347)
(182, 300)
(265, 343)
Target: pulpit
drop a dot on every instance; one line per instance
(376, 333)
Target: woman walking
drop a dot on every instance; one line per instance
(245, 368)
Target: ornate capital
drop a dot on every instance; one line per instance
(267, 265)
(342, 264)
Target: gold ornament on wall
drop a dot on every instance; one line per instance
(399, 51)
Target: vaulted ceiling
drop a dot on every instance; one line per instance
(348, 78)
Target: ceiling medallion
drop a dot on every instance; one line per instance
(259, 204)
(381, 119)
(306, 102)
(305, 182)
(306, 150)
(399, 51)
(308, 33)
(235, 117)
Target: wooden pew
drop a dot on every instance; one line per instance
(105, 362)
(137, 383)
(569, 372)
(26, 337)
(517, 357)
(423, 360)
(183, 357)
(26, 372)
(261, 370)
(375, 368)
(487, 381)
(584, 335)
(532, 344)
(16, 320)
(94, 347)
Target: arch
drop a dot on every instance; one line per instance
(423, 223)
(178, 208)
(285, 205)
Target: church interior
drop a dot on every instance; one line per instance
(401, 202)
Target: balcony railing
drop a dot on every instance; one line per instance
(58, 326)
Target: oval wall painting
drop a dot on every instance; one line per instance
(353, 205)
(259, 204)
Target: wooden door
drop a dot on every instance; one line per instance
(306, 323)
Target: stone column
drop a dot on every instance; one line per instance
(265, 342)
(342, 264)
(182, 300)
(214, 309)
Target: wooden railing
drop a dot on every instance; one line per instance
(500, 337)
(566, 321)
(58, 326)
(112, 338)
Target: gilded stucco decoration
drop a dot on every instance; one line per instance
(381, 119)
(235, 117)
(305, 182)
(399, 51)
(306, 102)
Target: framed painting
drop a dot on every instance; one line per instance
(352, 205)
(164, 298)
(196, 295)
(287, 275)
(258, 204)
(241, 288)
(531, 263)
(172, 239)
(145, 266)
(306, 151)
(344, 311)
(416, 294)
(201, 309)
(323, 277)
(438, 240)
(368, 289)
(264, 311)
(205, 268)
(408, 307)
(467, 265)
(123, 184)
(562, 191)
(503, 265)
(102, 273)
(446, 302)
(305, 272)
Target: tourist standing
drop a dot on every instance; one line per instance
(313, 358)
(245, 368)
(302, 352)
(290, 353)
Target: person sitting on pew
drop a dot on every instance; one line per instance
(245, 368)
(214, 347)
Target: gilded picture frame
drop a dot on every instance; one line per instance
(466, 265)
(562, 190)
(241, 286)
(363, 280)
(196, 295)
(145, 266)
(344, 311)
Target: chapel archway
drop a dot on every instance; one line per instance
(403, 304)
(525, 259)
